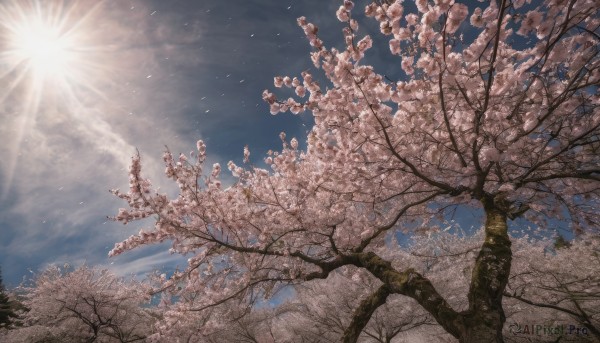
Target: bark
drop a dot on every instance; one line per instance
(363, 314)
(414, 285)
(485, 318)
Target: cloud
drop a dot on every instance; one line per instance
(153, 74)
(63, 152)
(146, 261)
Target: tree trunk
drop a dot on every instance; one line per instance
(485, 318)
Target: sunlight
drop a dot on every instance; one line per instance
(47, 64)
(44, 48)
(42, 42)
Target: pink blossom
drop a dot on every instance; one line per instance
(364, 44)
(246, 154)
(476, 18)
(407, 64)
(201, 147)
(506, 187)
(385, 27)
(412, 19)
(278, 81)
(530, 124)
(296, 108)
(348, 5)
(395, 46)
(490, 13)
(300, 91)
(342, 14)
(518, 3)
(422, 5)
(544, 29)
(275, 108)
(531, 22)
(444, 5)
(394, 12)
(426, 37)
(430, 17)
(216, 170)
(269, 97)
(404, 34)
(287, 81)
(457, 14)
(490, 154)
(294, 143)
(370, 9)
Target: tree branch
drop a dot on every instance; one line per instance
(363, 314)
(414, 285)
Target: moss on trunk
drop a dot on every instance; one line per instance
(485, 318)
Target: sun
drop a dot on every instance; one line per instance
(41, 44)
(43, 48)
(49, 63)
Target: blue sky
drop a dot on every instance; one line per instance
(143, 75)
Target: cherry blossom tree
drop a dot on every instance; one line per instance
(556, 288)
(83, 305)
(494, 109)
(34, 334)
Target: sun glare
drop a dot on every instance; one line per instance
(43, 48)
(49, 63)
(44, 40)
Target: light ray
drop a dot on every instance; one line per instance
(48, 59)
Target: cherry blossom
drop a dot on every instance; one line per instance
(489, 121)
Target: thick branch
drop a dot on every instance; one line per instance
(414, 285)
(363, 314)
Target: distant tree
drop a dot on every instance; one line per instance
(538, 294)
(557, 287)
(83, 305)
(494, 108)
(7, 306)
(35, 334)
(322, 313)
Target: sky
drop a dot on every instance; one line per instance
(131, 76)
